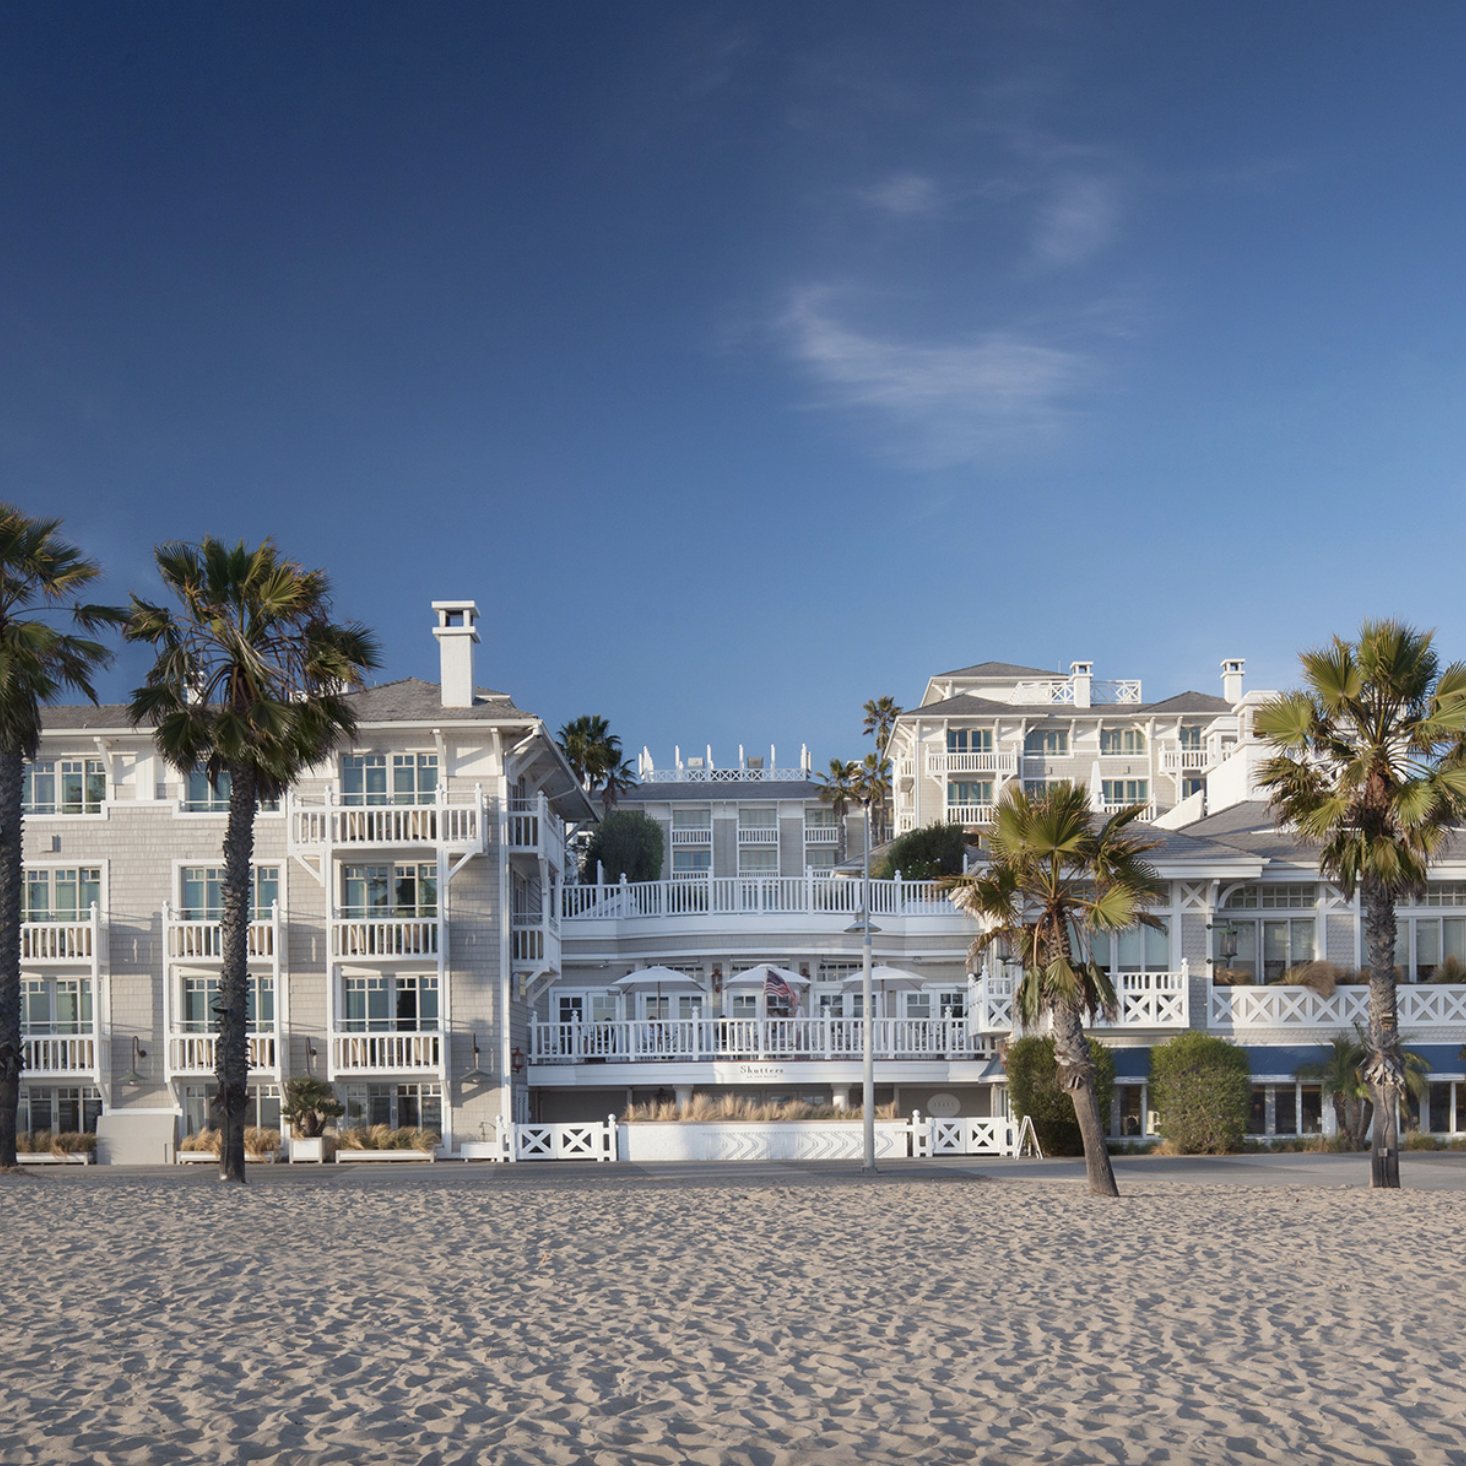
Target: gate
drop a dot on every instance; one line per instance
(593, 1140)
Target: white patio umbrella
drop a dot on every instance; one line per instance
(887, 980)
(656, 979)
(756, 977)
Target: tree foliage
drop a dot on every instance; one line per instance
(1201, 1088)
(926, 854)
(594, 755)
(627, 843)
(1034, 1092)
(309, 1104)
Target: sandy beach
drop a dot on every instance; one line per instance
(766, 1317)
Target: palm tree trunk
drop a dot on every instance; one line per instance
(1384, 1069)
(231, 1064)
(12, 771)
(1076, 1074)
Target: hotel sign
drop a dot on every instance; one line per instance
(762, 1072)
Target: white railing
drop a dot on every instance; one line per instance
(526, 940)
(398, 936)
(1146, 1000)
(1061, 690)
(1178, 760)
(971, 763)
(905, 822)
(686, 835)
(723, 776)
(1421, 1006)
(453, 821)
(758, 834)
(198, 1053)
(905, 767)
(751, 1038)
(593, 1140)
(204, 940)
(752, 896)
(821, 835)
(971, 814)
(383, 1052)
(56, 941)
(531, 822)
(60, 1053)
(1147, 811)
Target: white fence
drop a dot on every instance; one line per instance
(1422, 1006)
(753, 896)
(592, 1140)
(1147, 1000)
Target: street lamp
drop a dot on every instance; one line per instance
(867, 1040)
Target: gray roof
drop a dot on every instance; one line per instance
(1000, 669)
(749, 791)
(967, 705)
(963, 705)
(1189, 702)
(79, 716)
(410, 700)
(1249, 826)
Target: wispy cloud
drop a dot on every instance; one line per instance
(1077, 219)
(907, 194)
(950, 401)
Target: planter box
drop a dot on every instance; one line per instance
(45, 1158)
(384, 1155)
(308, 1150)
(752, 1140)
(186, 1157)
(481, 1150)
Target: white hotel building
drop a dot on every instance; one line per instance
(420, 941)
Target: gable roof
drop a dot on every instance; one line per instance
(999, 669)
(1188, 702)
(411, 700)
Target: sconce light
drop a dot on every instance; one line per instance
(516, 1059)
(311, 1055)
(1227, 941)
(138, 1052)
(477, 1075)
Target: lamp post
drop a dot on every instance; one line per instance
(867, 1040)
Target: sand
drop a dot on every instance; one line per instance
(538, 1315)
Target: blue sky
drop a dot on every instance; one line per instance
(748, 361)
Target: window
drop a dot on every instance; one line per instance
(391, 890)
(391, 1003)
(694, 825)
(758, 860)
(1188, 738)
(969, 740)
(373, 778)
(1444, 893)
(58, 1109)
(970, 791)
(1192, 785)
(1136, 949)
(201, 796)
(821, 817)
(1037, 788)
(201, 892)
(64, 786)
(200, 1110)
(61, 1005)
(1047, 743)
(1122, 741)
(820, 857)
(1265, 949)
(412, 1106)
(694, 861)
(201, 1002)
(1125, 791)
(1423, 943)
(62, 895)
(758, 819)
(1292, 896)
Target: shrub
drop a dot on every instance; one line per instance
(1033, 1091)
(1201, 1088)
(73, 1142)
(925, 854)
(309, 1103)
(205, 1139)
(627, 843)
(384, 1137)
(260, 1141)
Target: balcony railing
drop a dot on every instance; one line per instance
(534, 828)
(821, 835)
(456, 822)
(998, 762)
(1147, 811)
(758, 835)
(394, 936)
(60, 1055)
(203, 941)
(971, 814)
(752, 1038)
(58, 941)
(1422, 1006)
(1146, 1000)
(197, 1053)
(687, 835)
(753, 896)
(398, 1053)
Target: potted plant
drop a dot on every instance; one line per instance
(309, 1104)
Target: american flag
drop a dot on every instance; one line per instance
(776, 987)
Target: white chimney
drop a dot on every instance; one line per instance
(1232, 680)
(457, 631)
(1080, 674)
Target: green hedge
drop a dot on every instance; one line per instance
(627, 843)
(1201, 1089)
(924, 854)
(1033, 1091)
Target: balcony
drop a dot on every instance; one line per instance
(940, 764)
(821, 835)
(190, 940)
(1146, 1000)
(1147, 811)
(752, 1039)
(971, 814)
(196, 1054)
(753, 896)
(61, 1055)
(455, 823)
(61, 941)
(701, 835)
(1423, 1007)
(415, 1052)
(385, 936)
(531, 827)
(758, 834)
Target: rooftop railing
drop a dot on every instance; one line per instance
(753, 896)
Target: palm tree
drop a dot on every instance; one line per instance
(838, 791)
(880, 718)
(873, 787)
(249, 684)
(1053, 880)
(594, 755)
(616, 779)
(40, 574)
(1370, 766)
(1340, 1077)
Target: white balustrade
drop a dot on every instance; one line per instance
(453, 821)
(686, 775)
(1147, 811)
(997, 762)
(526, 941)
(1422, 1006)
(821, 835)
(758, 835)
(48, 1055)
(56, 941)
(701, 835)
(1145, 999)
(1179, 760)
(751, 1038)
(198, 1053)
(752, 896)
(905, 767)
(204, 940)
(384, 1052)
(399, 936)
(971, 814)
